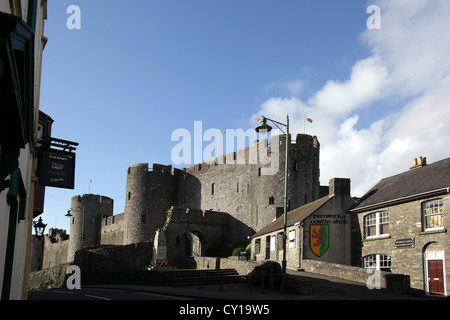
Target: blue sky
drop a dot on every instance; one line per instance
(138, 70)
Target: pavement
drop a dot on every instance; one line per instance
(324, 288)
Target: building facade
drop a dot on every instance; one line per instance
(402, 226)
(319, 230)
(22, 43)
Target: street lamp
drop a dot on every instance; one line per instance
(39, 228)
(266, 128)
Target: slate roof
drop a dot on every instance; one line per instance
(421, 182)
(294, 216)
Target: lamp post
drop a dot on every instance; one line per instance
(265, 127)
(39, 228)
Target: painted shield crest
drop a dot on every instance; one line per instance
(319, 235)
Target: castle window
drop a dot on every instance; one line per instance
(73, 220)
(213, 188)
(153, 194)
(237, 187)
(129, 195)
(433, 215)
(295, 166)
(93, 219)
(259, 172)
(185, 198)
(143, 218)
(271, 200)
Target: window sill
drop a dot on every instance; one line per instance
(376, 238)
(443, 230)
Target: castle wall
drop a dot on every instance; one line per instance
(56, 248)
(113, 230)
(250, 191)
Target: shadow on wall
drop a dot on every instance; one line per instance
(114, 257)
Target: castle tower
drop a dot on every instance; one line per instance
(149, 194)
(87, 213)
(303, 181)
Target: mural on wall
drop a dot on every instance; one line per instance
(319, 235)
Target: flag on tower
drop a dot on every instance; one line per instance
(308, 119)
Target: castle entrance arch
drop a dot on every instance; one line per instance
(194, 246)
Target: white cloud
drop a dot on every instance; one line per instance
(365, 84)
(409, 66)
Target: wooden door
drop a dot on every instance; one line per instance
(436, 277)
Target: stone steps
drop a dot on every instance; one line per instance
(206, 277)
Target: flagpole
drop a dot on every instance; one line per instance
(304, 124)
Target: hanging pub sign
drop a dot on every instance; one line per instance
(57, 167)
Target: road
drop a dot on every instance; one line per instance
(97, 294)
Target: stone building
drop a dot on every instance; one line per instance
(319, 230)
(22, 43)
(401, 226)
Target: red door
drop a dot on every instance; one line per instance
(436, 277)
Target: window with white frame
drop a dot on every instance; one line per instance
(378, 262)
(433, 214)
(376, 224)
(291, 239)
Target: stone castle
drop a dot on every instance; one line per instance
(217, 201)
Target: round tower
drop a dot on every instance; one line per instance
(87, 212)
(149, 194)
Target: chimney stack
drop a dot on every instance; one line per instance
(419, 163)
(339, 187)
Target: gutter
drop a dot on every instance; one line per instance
(402, 200)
